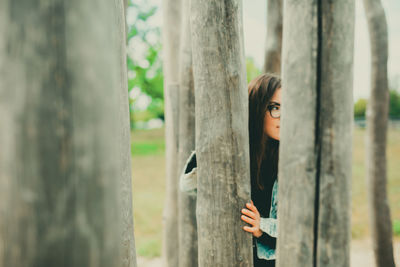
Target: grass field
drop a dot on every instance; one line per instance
(148, 169)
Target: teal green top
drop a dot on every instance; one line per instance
(269, 226)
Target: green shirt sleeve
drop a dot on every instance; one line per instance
(270, 227)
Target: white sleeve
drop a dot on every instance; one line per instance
(188, 177)
(188, 182)
(269, 226)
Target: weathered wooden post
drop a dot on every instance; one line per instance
(186, 203)
(316, 134)
(273, 40)
(124, 141)
(222, 151)
(377, 124)
(171, 39)
(65, 183)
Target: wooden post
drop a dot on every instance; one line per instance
(273, 41)
(124, 141)
(222, 141)
(376, 138)
(316, 134)
(186, 203)
(64, 159)
(171, 39)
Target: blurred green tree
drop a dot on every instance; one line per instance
(145, 74)
(394, 104)
(359, 108)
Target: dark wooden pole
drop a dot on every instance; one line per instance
(316, 134)
(65, 157)
(222, 141)
(171, 43)
(186, 203)
(273, 41)
(376, 139)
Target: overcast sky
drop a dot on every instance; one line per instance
(254, 21)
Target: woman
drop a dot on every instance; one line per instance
(264, 120)
(264, 114)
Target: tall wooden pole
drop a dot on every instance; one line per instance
(222, 144)
(171, 39)
(273, 41)
(186, 203)
(316, 134)
(124, 141)
(65, 159)
(376, 138)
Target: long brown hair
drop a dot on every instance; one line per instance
(264, 151)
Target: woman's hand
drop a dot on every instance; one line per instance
(252, 217)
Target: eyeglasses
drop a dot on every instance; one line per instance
(275, 111)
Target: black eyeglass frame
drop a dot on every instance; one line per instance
(269, 107)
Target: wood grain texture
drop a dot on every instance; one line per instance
(376, 138)
(336, 131)
(60, 172)
(316, 132)
(187, 204)
(125, 169)
(221, 104)
(171, 42)
(297, 157)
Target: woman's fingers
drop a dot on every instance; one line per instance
(249, 229)
(249, 213)
(252, 207)
(248, 220)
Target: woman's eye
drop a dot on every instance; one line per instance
(275, 107)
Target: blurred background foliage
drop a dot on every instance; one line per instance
(360, 106)
(145, 76)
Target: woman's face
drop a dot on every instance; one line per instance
(271, 125)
